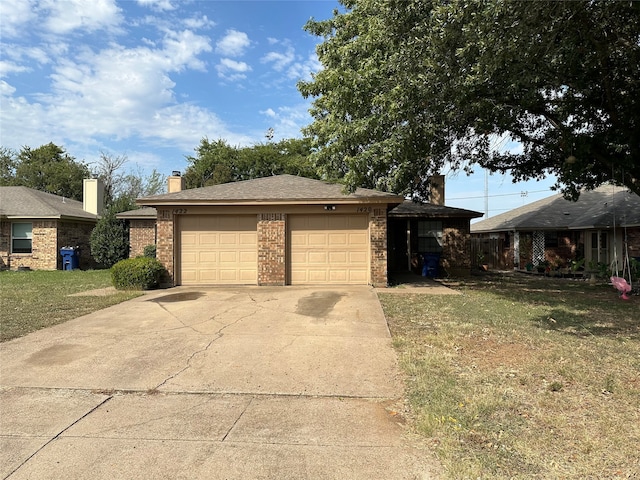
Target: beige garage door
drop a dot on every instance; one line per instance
(218, 249)
(328, 249)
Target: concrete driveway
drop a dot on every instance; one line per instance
(215, 383)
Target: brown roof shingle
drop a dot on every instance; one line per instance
(17, 202)
(598, 208)
(276, 189)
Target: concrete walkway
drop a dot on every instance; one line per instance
(216, 383)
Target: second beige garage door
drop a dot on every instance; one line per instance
(218, 249)
(328, 249)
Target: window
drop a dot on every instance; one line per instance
(550, 239)
(429, 236)
(21, 235)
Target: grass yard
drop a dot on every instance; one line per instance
(33, 300)
(523, 377)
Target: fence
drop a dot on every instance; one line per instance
(488, 251)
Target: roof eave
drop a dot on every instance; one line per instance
(296, 201)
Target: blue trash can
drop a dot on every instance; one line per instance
(430, 263)
(70, 258)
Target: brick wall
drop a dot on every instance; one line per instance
(378, 242)
(48, 236)
(43, 247)
(76, 234)
(164, 252)
(633, 241)
(271, 248)
(141, 234)
(456, 250)
(5, 245)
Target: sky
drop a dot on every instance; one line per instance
(148, 79)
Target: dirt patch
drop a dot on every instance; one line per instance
(98, 292)
(488, 353)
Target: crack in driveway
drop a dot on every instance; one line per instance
(218, 335)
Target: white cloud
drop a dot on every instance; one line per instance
(16, 14)
(64, 16)
(7, 68)
(117, 92)
(233, 44)
(160, 5)
(303, 70)
(279, 60)
(232, 70)
(289, 120)
(196, 23)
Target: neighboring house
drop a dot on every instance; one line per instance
(600, 227)
(283, 230)
(35, 225)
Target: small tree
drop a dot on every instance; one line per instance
(110, 240)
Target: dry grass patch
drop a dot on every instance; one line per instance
(523, 377)
(39, 299)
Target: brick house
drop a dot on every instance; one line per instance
(284, 230)
(277, 230)
(35, 225)
(601, 227)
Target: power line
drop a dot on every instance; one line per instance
(500, 195)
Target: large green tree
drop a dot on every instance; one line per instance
(218, 162)
(409, 86)
(48, 168)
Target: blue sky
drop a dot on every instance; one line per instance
(150, 78)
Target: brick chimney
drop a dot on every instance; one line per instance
(92, 196)
(436, 190)
(175, 183)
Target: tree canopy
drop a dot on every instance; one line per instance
(218, 162)
(48, 168)
(411, 86)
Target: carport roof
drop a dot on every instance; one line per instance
(427, 210)
(278, 189)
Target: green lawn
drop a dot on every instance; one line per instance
(33, 300)
(523, 377)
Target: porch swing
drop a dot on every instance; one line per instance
(619, 282)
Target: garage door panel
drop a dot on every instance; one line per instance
(218, 249)
(338, 257)
(359, 258)
(328, 249)
(248, 257)
(338, 239)
(248, 239)
(317, 258)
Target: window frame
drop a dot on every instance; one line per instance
(28, 236)
(430, 236)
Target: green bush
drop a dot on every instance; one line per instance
(140, 273)
(109, 240)
(149, 251)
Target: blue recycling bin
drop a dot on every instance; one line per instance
(430, 263)
(70, 258)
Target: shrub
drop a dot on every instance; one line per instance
(149, 251)
(140, 273)
(109, 240)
